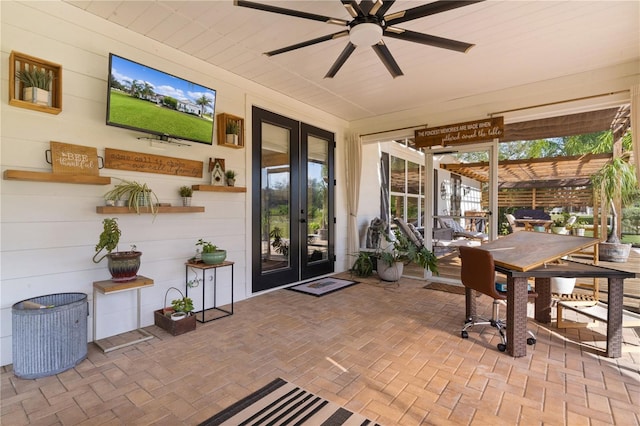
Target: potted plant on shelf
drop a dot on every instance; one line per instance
(231, 177)
(136, 195)
(186, 192)
(123, 265)
(36, 85)
(232, 131)
(210, 254)
(400, 251)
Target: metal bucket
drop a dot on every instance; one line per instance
(49, 334)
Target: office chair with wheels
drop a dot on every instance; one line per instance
(478, 274)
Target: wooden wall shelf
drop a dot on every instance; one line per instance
(218, 188)
(52, 177)
(170, 209)
(19, 62)
(225, 119)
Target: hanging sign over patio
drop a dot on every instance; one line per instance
(150, 163)
(460, 133)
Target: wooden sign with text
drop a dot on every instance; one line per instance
(70, 159)
(461, 133)
(150, 163)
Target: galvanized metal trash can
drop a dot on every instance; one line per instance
(49, 334)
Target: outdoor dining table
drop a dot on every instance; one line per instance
(524, 255)
(529, 224)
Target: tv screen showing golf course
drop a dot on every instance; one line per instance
(151, 101)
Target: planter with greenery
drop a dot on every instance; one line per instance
(400, 251)
(123, 265)
(37, 85)
(363, 265)
(616, 180)
(186, 192)
(135, 195)
(209, 253)
(231, 177)
(177, 318)
(558, 226)
(232, 131)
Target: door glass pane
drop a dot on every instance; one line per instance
(275, 193)
(397, 174)
(397, 206)
(317, 200)
(412, 210)
(413, 178)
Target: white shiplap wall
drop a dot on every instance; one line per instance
(49, 230)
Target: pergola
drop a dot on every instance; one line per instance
(543, 182)
(549, 182)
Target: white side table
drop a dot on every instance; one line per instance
(107, 287)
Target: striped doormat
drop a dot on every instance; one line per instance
(283, 403)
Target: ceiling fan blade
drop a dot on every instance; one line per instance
(427, 39)
(352, 7)
(307, 43)
(366, 6)
(426, 10)
(385, 56)
(289, 12)
(384, 8)
(348, 50)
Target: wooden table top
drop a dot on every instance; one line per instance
(522, 251)
(110, 286)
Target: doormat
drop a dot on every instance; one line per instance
(447, 288)
(323, 286)
(281, 402)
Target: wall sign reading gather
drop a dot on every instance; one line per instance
(150, 163)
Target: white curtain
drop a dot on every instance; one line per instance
(635, 126)
(353, 168)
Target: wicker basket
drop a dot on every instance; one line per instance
(175, 328)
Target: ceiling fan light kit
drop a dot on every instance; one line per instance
(366, 34)
(368, 27)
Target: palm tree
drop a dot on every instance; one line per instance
(204, 102)
(616, 180)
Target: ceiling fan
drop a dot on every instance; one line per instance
(367, 27)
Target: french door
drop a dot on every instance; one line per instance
(292, 209)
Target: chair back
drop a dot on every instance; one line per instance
(478, 271)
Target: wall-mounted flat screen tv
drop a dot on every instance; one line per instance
(151, 101)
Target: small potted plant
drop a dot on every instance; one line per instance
(557, 227)
(137, 195)
(578, 228)
(210, 254)
(177, 318)
(123, 265)
(232, 131)
(400, 251)
(231, 177)
(186, 192)
(181, 308)
(36, 85)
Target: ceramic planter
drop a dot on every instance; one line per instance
(35, 95)
(215, 257)
(560, 285)
(389, 273)
(124, 265)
